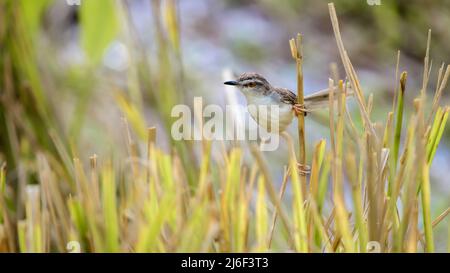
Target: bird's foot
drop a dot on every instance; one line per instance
(300, 109)
(303, 169)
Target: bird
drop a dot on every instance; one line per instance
(259, 92)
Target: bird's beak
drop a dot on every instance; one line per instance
(231, 83)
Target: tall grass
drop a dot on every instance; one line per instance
(52, 193)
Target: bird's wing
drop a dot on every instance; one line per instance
(286, 95)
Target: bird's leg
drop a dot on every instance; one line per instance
(303, 169)
(300, 109)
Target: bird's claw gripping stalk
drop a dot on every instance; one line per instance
(300, 109)
(303, 169)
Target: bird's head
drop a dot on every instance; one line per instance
(251, 84)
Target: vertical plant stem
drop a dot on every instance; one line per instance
(297, 54)
(399, 118)
(426, 208)
(448, 238)
(300, 228)
(109, 203)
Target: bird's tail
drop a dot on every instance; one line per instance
(320, 99)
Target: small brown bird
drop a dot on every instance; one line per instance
(259, 92)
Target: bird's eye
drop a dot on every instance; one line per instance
(252, 84)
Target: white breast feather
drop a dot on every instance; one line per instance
(284, 115)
